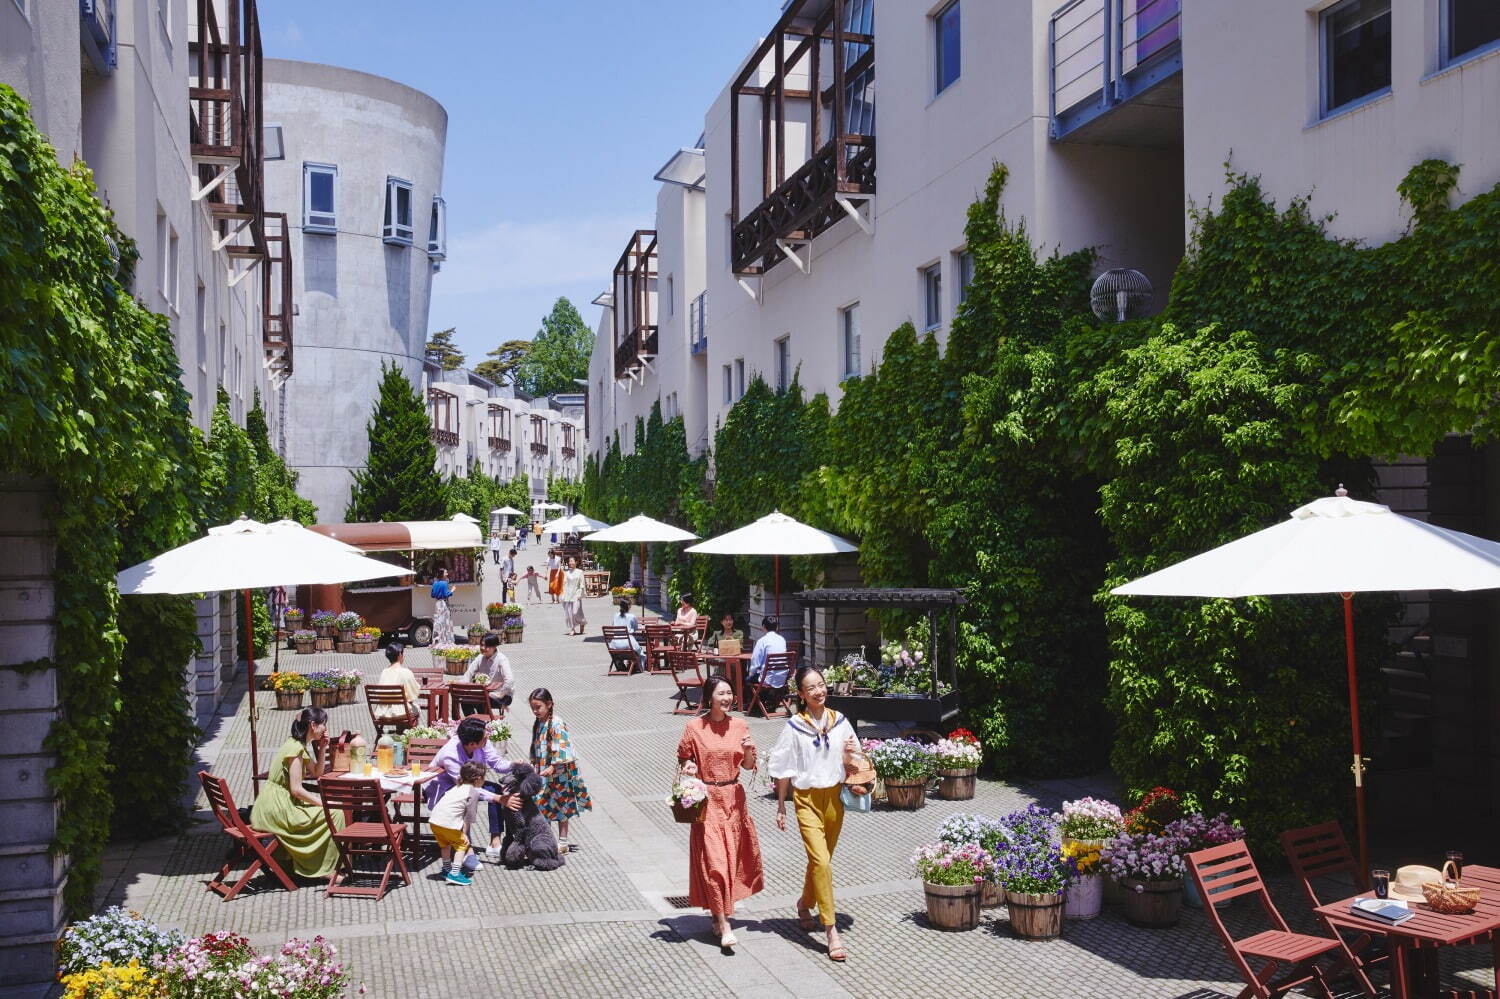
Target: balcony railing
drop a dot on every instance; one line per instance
(635, 305)
(500, 444)
(444, 438)
(807, 203)
(538, 447)
(97, 33)
(1104, 53)
(568, 451)
(276, 295)
(224, 124)
(698, 324)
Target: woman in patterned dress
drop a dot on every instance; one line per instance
(724, 853)
(563, 794)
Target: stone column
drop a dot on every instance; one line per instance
(206, 678)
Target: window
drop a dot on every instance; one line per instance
(965, 274)
(437, 230)
(200, 329)
(1469, 26)
(273, 142)
(319, 197)
(849, 340)
(398, 226)
(739, 378)
(728, 385)
(169, 260)
(1356, 51)
(947, 47)
(667, 307)
(783, 365)
(932, 296)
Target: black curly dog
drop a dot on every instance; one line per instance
(528, 835)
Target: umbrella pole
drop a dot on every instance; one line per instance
(776, 568)
(1359, 763)
(250, 667)
(642, 594)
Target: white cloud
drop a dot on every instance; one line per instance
(291, 34)
(510, 257)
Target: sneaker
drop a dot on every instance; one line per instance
(458, 878)
(492, 854)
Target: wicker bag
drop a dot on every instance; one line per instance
(1447, 897)
(688, 814)
(859, 770)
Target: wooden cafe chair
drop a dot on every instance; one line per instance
(364, 837)
(623, 661)
(404, 803)
(1321, 851)
(384, 695)
(247, 845)
(660, 640)
(689, 679)
(466, 699)
(772, 689)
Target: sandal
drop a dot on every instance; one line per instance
(727, 941)
(838, 954)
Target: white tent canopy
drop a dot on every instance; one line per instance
(642, 529)
(774, 534)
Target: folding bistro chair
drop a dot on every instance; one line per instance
(404, 803)
(772, 688)
(660, 639)
(625, 661)
(688, 677)
(1321, 851)
(694, 639)
(383, 695)
(247, 845)
(366, 838)
(466, 699)
(1225, 872)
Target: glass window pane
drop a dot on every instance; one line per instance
(948, 51)
(320, 192)
(1471, 25)
(1357, 47)
(403, 206)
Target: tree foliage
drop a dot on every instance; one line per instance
(558, 355)
(443, 351)
(399, 480)
(500, 364)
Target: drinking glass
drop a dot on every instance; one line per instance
(1380, 880)
(416, 769)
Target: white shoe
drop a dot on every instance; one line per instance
(492, 854)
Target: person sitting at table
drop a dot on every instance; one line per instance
(727, 631)
(767, 644)
(451, 818)
(624, 619)
(687, 614)
(471, 743)
(397, 674)
(291, 811)
(492, 663)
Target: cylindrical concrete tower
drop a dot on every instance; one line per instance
(361, 179)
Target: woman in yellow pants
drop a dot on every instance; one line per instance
(809, 761)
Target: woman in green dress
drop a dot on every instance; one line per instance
(292, 812)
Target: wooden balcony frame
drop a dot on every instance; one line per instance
(635, 319)
(499, 437)
(276, 295)
(795, 209)
(442, 406)
(224, 123)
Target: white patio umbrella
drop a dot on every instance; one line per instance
(509, 511)
(642, 530)
(776, 535)
(576, 524)
(247, 555)
(1334, 545)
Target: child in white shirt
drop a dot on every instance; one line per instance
(451, 818)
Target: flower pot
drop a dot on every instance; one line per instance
(497, 623)
(1113, 893)
(455, 667)
(288, 700)
(325, 697)
(346, 634)
(343, 647)
(1191, 897)
(513, 636)
(1152, 903)
(908, 794)
(305, 648)
(1085, 897)
(952, 907)
(323, 630)
(346, 695)
(956, 785)
(991, 895)
(1035, 917)
(689, 814)
(323, 645)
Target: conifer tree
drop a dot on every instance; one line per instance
(399, 480)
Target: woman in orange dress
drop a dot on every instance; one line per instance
(724, 853)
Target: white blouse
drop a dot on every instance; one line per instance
(809, 765)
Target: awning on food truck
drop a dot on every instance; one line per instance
(406, 535)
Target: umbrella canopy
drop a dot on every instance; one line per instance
(775, 534)
(577, 523)
(248, 555)
(1335, 545)
(509, 511)
(642, 529)
(549, 506)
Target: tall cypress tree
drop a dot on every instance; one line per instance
(400, 479)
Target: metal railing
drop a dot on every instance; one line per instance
(1096, 47)
(698, 324)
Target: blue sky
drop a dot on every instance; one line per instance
(559, 113)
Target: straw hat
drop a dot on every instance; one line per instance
(1407, 884)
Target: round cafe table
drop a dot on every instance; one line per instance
(734, 668)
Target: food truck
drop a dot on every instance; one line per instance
(402, 604)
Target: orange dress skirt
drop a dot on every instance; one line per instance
(724, 864)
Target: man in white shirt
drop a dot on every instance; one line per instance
(493, 664)
(495, 546)
(769, 643)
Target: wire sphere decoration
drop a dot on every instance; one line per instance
(1120, 294)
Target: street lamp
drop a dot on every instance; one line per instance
(1120, 294)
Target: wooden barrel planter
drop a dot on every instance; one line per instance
(323, 645)
(952, 907)
(1152, 904)
(325, 697)
(306, 648)
(497, 623)
(323, 630)
(346, 635)
(956, 785)
(513, 636)
(343, 647)
(991, 895)
(1085, 897)
(346, 695)
(455, 667)
(288, 700)
(907, 794)
(1035, 917)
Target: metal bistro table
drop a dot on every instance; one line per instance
(1414, 944)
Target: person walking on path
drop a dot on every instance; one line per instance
(564, 794)
(442, 620)
(508, 577)
(810, 760)
(521, 532)
(495, 546)
(292, 812)
(724, 865)
(533, 584)
(555, 577)
(536, 530)
(572, 598)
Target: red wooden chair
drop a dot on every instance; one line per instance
(386, 695)
(1286, 959)
(466, 699)
(772, 689)
(699, 633)
(362, 837)
(1321, 851)
(622, 661)
(660, 640)
(689, 679)
(422, 752)
(247, 845)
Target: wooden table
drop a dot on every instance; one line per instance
(1414, 944)
(734, 669)
(436, 696)
(395, 783)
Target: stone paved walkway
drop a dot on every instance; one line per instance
(607, 924)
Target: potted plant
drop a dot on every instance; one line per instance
(345, 623)
(513, 623)
(1035, 873)
(366, 638)
(292, 618)
(1197, 831)
(1091, 821)
(349, 680)
(289, 689)
(305, 640)
(1085, 896)
(455, 658)
(324, 685)
(952, 876)
(840, 675)
(477, 633)
(958, 759)
(323, 622)
(499, 731)
(494, 611)
(905, 767)
(1158, 808)
(983, 831)
(1149, 867)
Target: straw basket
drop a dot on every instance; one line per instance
(1447, 897)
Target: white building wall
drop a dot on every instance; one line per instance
(362, 302)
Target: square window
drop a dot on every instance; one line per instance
(398, 228)
(783, 366)
(849, 340)
(932, 296)
(965, 274)
(319, 197)
(1356, 51)
(947, 47)
(1469, 26)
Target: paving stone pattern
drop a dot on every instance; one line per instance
(606, 925)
